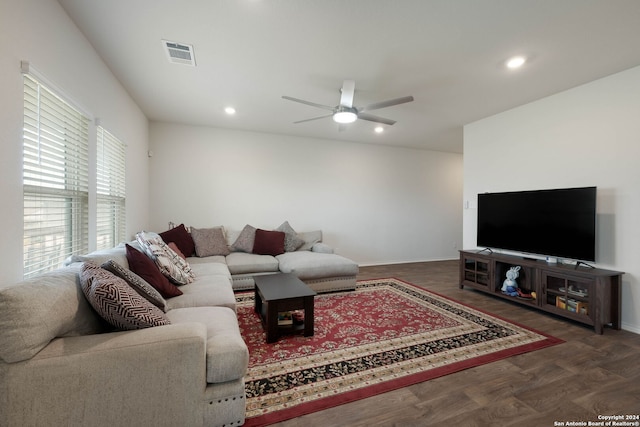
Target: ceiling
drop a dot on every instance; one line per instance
(448, 54)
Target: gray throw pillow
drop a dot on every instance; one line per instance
(310, 238)
(291, 240)
(209, 241)
(137, 283)
(245, 241)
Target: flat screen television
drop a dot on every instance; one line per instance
(557, 223)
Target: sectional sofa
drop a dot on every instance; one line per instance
(68, 358)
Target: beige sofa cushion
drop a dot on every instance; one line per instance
(227, 353)
(242, 263)
(314, 265)
(213, 290)
(217, 259)
(34, 312)
(211, 268)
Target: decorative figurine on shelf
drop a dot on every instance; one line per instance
(509, 286)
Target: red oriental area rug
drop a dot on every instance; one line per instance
(384, 335)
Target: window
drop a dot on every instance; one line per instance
(55, 179)
(111, 194)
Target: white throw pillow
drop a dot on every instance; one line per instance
(171, 265)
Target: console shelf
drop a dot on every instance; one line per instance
(587, 295)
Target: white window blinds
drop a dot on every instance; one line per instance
(111, 193)
(55, 179)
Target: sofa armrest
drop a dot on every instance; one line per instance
(322, 248)
(154, 376)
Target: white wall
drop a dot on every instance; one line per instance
(375, 204)
(39, 31)
(589, 135)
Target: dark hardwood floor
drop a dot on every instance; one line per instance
(587, 376)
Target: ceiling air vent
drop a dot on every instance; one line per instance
(179, 53)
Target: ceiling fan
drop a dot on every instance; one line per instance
(345, 112)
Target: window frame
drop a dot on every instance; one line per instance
(111, 194)
(55, 177)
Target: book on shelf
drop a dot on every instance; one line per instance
(285, 318)
(572, 305)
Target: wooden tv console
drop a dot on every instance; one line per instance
(588, 295)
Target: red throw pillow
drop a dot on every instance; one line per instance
(181, 237)
(176, 249)
(142, 265)
(268, 242)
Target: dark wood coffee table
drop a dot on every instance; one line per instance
(275, 293)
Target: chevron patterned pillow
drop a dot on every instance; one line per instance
(140, 285)
(116, 302)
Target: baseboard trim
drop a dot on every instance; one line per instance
(631, 328)
(375, 264)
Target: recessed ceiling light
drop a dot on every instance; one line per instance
(378, 129)
(516, 62)
(230, 111)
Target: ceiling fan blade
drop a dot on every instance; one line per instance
(313, 104)
(347, 91)
(314, 118)
(389, 103)
(377, 119)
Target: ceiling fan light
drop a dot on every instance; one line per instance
(345, 117)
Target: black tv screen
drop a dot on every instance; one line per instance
(557, 223)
